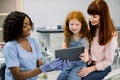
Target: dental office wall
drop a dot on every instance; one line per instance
(53, 12)
(46, 13)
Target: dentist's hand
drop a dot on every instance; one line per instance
(65, 64)
(51, 65)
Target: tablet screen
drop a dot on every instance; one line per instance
(71, 54)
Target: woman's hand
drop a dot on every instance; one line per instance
(84, 56)
(86, 70)
(115, 33)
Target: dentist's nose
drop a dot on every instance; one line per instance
(29, 27)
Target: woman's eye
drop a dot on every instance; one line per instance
(94, 16)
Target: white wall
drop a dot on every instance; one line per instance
(53, 12)
(114, 7)
(46, 12)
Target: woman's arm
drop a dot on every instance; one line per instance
(86, 70)
(22, 75)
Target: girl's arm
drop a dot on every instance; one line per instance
(64, 45)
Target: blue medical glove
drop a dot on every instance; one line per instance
(51, 65)
(65, 64)
(60, 67)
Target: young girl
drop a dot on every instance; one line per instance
(76, 33)
(103, 42)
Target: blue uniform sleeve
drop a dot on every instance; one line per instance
(11, 56)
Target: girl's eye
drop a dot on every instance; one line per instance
(77, 24)
(74, 24)
(71, 24)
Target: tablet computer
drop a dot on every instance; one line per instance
(71, 54)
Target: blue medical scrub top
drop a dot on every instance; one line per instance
(15, 55)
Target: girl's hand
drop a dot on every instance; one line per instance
(84, 56)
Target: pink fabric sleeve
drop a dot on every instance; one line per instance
(109, 52)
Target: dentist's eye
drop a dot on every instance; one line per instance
(26, 24)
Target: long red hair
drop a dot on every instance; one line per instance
(84, 29)
(106, 28)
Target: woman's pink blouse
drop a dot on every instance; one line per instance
(103, 55)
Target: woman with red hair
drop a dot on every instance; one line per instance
(102, 42)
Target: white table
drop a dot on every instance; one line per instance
(52, 75)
